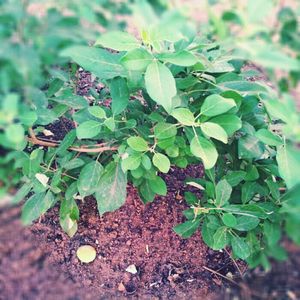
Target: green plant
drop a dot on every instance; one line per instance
(31, 69)
(175, 99)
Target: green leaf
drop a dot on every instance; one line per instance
(240, 248)
(132, 162)
(21, 193)
(230, 123)
(73, 101)
(248, 191)
(158, 186)
(182, 58)
(235, 177)
(137, 143)
(223, 192)
(162, 162)
(187, 229)
(119, 93)
(288, 159)
(246, 223)
(15, 133)
(220, 238)
(214, 105)
(118, 40)
(66, 142)
(88, 129)
(184, 116)
(207, 233)
(68, 216)
(97, 112)
(251, 173)
(146, 193)
(28, 118)
(204, 149)
(137, 59)
(250, 147)
(73, 164)
(89, 178)
(160, 85)
(272, 232)
(111, 190)
(36, 206)
(229, 220)
(215, 131)
(268, 138)
(279, 110)
(100, 62)
(110, 123)
(165, 130)
(146, 162)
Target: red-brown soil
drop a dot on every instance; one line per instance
(40, 262)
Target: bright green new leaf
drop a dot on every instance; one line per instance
(205, 150)
(184, 116)
(230, 123)
(132, 162)
(182, 58)
(88, 129)
(214, 105)
(97, 112)
(111, 190)
(165, 130)
(119, 94)
(110, 123)
(89, 178)
(160, 85)
(137, 143)
(137, 59)
(118, 40)
(162, 162)
(215, 131)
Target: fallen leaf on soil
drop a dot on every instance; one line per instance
(86, 253)
(131, 269)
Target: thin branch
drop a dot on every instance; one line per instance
(84, 149)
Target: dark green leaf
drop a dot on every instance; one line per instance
(111, 190)
(187, 229)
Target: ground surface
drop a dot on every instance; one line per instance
(40, 262)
